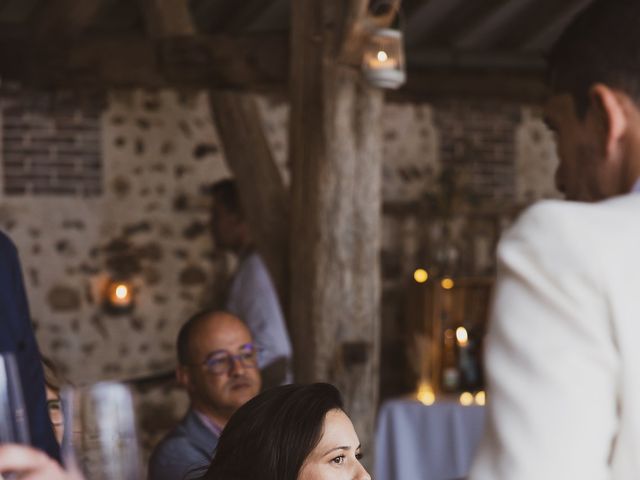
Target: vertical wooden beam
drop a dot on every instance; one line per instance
(336, 151)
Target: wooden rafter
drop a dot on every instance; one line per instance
(65, 18)
(261, 187)
(245, 13)
(426, 17)
(500, 85)
(543, 38)
(483, 30)
(540, 17)
(166, 18)
(257, 62)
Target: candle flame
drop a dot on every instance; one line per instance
(122, 291)
(382, 56)
(421, 275)
(447, 283)
(466, 399)
(462, 336)
(425, 394)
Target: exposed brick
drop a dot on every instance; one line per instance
(52, 145)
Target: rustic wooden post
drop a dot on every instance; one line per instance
(336, 151)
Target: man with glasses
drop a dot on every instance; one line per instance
(218, 366)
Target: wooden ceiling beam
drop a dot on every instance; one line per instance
(501, 85)
(244, 15)
(541, 20)
(543, 38)
(250, 63)
(426, 17)
(65, 18)
(484, 30)
(167, 18)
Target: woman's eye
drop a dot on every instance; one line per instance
(338, 460)
(359, 456)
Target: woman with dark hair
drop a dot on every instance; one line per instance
(292, 432)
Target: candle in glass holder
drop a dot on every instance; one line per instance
(120, 295)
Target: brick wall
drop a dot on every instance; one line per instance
(50, 146)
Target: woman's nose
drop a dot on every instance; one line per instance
(362, 473)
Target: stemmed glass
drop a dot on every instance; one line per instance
(100, 441)
(14, 425)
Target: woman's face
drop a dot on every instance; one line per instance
(55, 412)
(337, 455)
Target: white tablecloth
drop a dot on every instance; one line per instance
(418, 442)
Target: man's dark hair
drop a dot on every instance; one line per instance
(186, 331)
(225, 192)
(602, 45)
(271, 435)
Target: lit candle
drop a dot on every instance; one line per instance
(462, 337)
(425, 393)
(421, 275)
(382, 60)
(447, 283)
(466, 399)
(120, 294)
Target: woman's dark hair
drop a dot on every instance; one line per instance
(270, 436)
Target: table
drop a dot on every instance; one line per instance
(419, 442)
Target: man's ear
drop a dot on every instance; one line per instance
(183, 377)
(610, 107)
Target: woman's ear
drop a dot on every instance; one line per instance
(612, 114)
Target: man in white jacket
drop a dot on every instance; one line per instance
(562, 355)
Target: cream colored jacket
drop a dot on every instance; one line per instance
(563, 347)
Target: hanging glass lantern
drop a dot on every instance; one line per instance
(383, 62)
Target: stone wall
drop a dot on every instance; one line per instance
(95, 187)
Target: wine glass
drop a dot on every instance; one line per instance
(14, 425)
(100, 441)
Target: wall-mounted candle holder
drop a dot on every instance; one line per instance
(119, 296)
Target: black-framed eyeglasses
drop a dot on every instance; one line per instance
(55, 411)
(223, 361)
